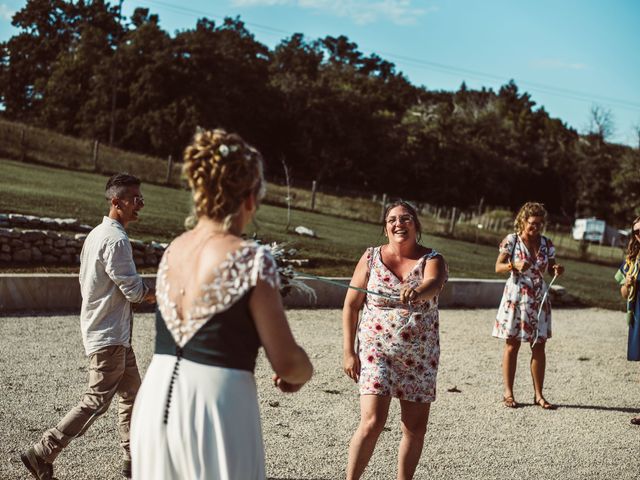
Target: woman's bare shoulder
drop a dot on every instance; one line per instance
(217, 250)
(206, 252)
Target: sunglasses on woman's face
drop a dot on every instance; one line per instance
(636, 232)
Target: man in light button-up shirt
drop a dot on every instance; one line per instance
(109, 284)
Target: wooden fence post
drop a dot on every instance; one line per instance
(23, 146)
(452, 224)
(383, 206)
(314, 185)
(286, 176)
(169, 168)
(96, 147)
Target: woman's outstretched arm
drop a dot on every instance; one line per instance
(353, 303)
(288, 360)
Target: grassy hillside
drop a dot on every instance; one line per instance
(33, 144)
(44, 191)
(45, 147)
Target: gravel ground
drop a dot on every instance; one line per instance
(471, 435)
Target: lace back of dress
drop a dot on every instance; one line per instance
(230, 281)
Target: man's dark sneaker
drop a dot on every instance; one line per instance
(36, 465)
(126, 468)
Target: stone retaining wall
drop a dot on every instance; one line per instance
(19, 246)
(17, 220)
(39, 246)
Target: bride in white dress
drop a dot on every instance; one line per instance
(196, 415)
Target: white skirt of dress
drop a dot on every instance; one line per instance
(213, 427)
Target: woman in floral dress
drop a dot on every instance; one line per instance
(526, 255)
(397, 347)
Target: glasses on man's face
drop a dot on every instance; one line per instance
(402, 219)
(137, 200)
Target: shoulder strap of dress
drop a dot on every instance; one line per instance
(432, 254)
(428, 256)
(372, 252)
(515, 243)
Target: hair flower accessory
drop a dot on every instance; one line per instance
(223, 150)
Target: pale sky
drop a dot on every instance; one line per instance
(568, 54)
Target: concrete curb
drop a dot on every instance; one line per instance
(61, 292)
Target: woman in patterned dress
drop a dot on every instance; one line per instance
(526, 255)
(397, 347)
(629, 281)
(196, 415)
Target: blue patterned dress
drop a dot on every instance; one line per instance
(633, 343)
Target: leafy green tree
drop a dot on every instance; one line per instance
(47, 29)
(626, 187)
(146, 82)
(331, 112)
(340, 109)
(225, 75)
(68, 105)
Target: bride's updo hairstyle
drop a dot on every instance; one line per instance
(222, 171)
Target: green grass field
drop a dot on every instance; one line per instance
(44, 191)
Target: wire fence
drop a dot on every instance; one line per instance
(487, 226)
(480, 225)
(32, 144)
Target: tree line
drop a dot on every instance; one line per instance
(330, 112)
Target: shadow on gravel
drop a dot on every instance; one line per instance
(596, 407)
(287, 478)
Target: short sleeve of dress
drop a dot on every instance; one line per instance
(434, 254)
(551, 250)
(369, 253)
(265, 268)
(508, 244)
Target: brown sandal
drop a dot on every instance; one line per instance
(635, 421)
(509, 402)
(542, 403)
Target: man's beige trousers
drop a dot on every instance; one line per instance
(111, 370)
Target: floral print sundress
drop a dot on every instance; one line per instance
(518, 312)
(398, 344)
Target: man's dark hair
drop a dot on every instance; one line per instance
(118, 184)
